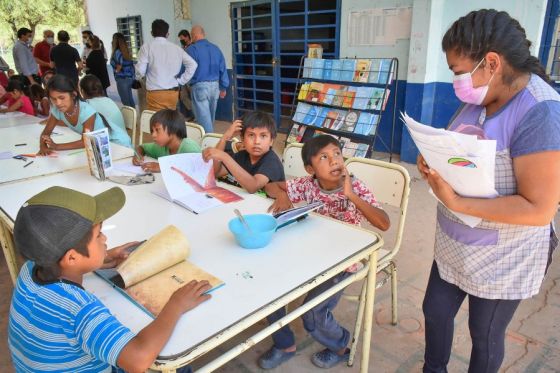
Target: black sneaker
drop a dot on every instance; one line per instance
(327, 359)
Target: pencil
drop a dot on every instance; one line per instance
(27, 164)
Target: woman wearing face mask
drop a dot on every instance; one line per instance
(502, 260)
(67, 108)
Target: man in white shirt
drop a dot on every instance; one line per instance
(161, 62)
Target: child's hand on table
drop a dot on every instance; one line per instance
(150, 167)
(281, 203)
(190, 296)
(138, 160)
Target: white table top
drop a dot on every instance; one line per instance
(297, 253)
(12, 169)
(17, 119)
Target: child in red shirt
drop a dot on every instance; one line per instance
(16, 99)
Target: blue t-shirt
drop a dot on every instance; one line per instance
(117, 134)
(127, 66)
(60, 327)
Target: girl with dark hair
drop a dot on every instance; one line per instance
(16, 98)
(97, 64)
(92, 91)
(40, 100)
(123, 68)
(169, 133)
(67, 108)
(504, 258)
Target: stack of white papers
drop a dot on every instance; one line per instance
(464, 161)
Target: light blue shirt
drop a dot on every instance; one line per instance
(107, 107)
(117, 134)
(24, 60)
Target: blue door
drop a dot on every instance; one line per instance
(269, 39)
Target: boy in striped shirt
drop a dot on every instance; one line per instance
(55, 325)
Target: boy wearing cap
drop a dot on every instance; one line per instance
(54, 323)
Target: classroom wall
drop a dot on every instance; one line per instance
(102, 17)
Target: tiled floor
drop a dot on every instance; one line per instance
(532, 342)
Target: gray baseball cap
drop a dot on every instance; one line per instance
(55, 220)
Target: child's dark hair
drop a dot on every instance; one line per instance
(488, 30)
(15, 85)
(258, 119)
(91, 86)
(313, 146)
(36, 92)
(61, 83)
(52, 272)
(172, 121)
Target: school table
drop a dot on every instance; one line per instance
(257, 282)
(24, 139)
(16, 119)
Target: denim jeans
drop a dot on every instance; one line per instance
(488, 320)
(318, 321)
(204, 101)
(124, 87)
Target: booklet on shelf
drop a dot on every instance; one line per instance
(190, 182)
(295, 214)
(98, 152)
(155, 269)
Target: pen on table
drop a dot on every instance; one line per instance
(23, 144)
(27, 164)
(138, 157)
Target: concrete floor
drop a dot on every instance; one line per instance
(532, 341)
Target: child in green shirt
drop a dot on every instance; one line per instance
(170, 137)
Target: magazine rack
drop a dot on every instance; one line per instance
(345, 98)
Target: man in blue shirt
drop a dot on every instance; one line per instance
(210, 79)
(23, 57)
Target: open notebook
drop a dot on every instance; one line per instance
(190, 182)
(155, 269)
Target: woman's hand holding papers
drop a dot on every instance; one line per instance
(442, 190)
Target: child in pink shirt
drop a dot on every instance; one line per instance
(17, 100)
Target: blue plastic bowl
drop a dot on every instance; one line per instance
(262, 228)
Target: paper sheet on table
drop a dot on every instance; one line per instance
(6, 155)
(464, 161)
(128, 168)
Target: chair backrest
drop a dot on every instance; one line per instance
(129, 116)
(210, 140)
(293, 164)
(145, 124)
(195, 132)
(390, 184)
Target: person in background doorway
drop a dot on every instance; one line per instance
(65, 58)
(23, 57)
(185, 39)
(160, 61)
(185, 101)
(97, 65)
(42, 52)
(210, 79)
(123, 68)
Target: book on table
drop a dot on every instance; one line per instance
(190, 183)
(296, 214)
(155, 269)
(98, 152)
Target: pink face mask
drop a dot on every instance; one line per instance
(464, 90)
